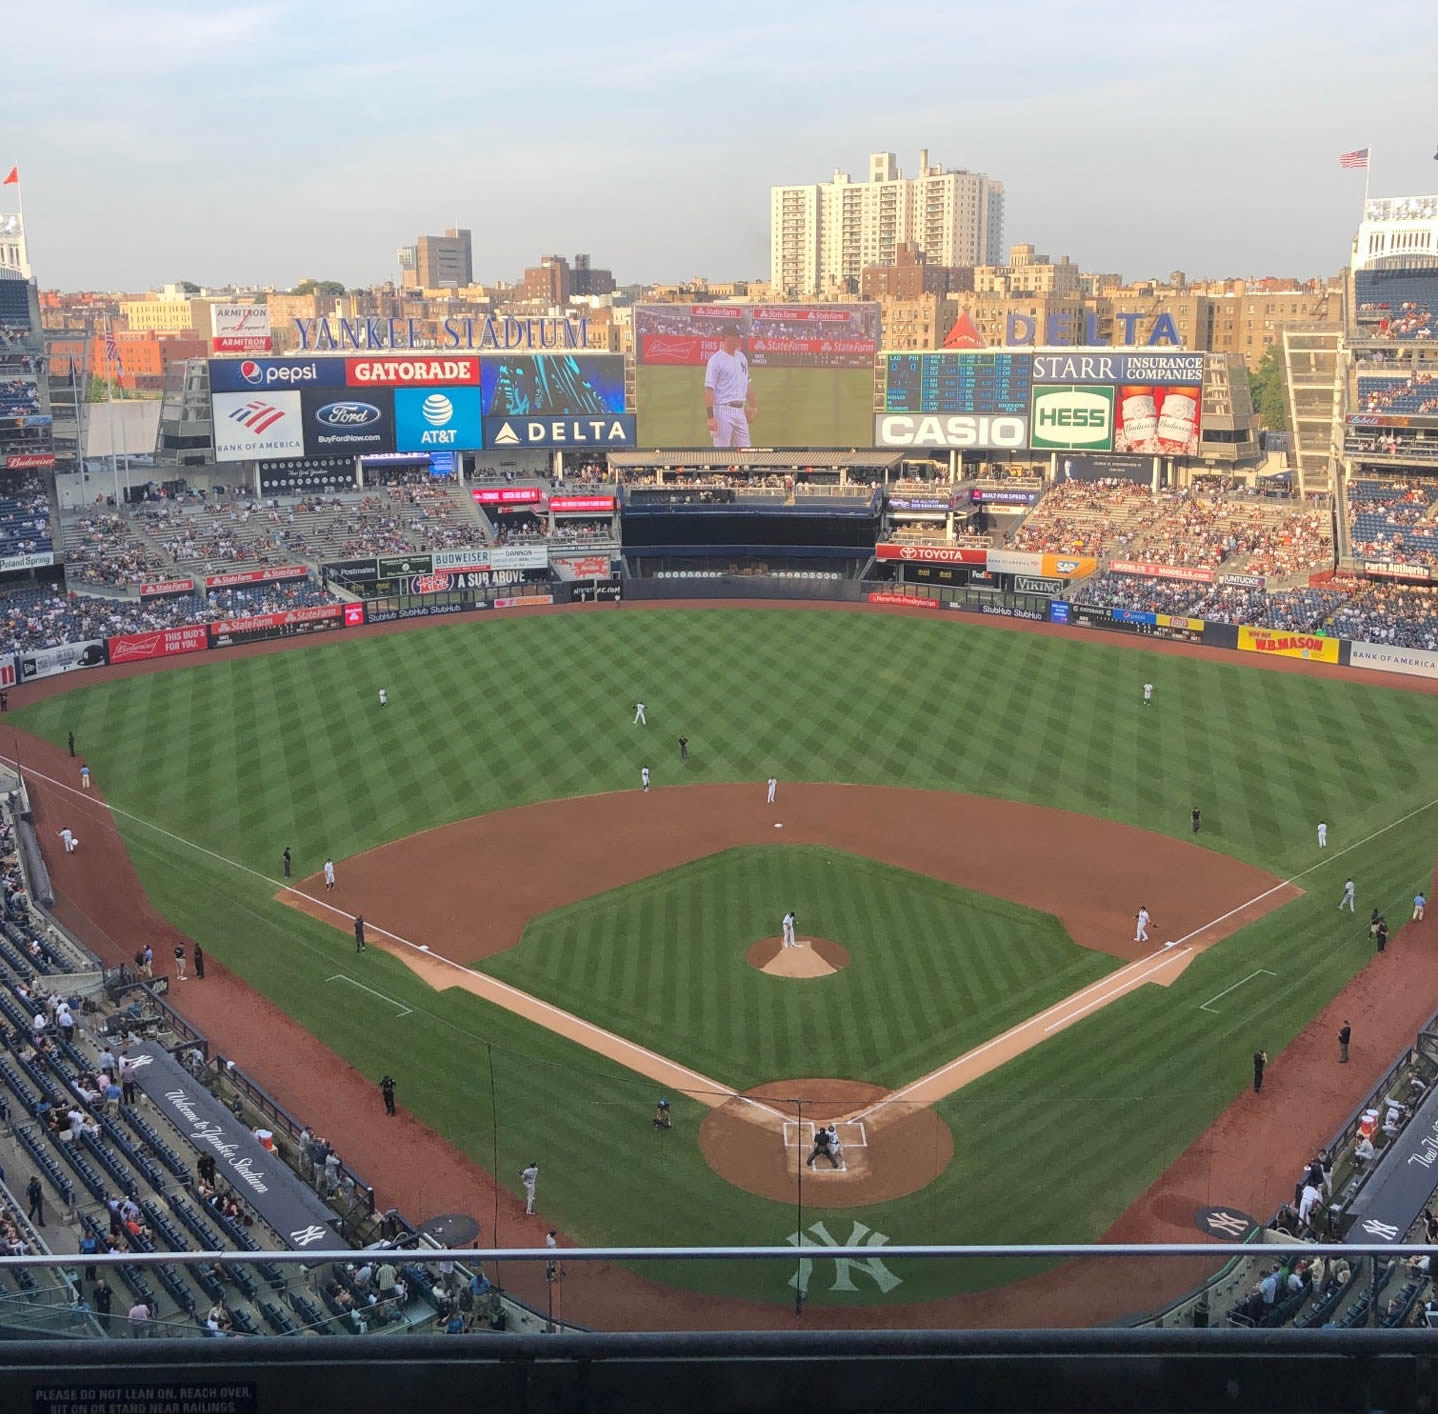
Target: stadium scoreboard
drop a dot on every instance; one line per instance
(985, 384)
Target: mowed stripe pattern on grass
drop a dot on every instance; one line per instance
(933, 969)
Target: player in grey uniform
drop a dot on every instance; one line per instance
(728, 398)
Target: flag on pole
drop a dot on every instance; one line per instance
(112, 352)
(1357, 158)
(13, 180)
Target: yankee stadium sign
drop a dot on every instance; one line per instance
(503, 332)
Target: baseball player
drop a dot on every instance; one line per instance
(529, 1177)
(1197, 819)
(836, 1149)
(84, 776)
(1347, 899)
(329, 873)
(790, 919)
(383, 698)
(773, 786)
(1140, 934)
(1147, 693)
(70, 843)
(1419, 904)
(644, 776)
(728, 399)
(1323, 834)
(640, 720)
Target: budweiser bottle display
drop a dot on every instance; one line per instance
(1178, 422)
(1138, 431)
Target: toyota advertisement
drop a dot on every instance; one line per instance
(555, 400)
(350, 423)
(713, 375)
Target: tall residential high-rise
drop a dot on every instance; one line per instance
(434, 262)
(823, 235)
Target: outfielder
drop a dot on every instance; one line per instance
(1141, 932)
(644, 776)
(1323, 834)
(529, 1177)
(383, 698)
(1347, 900)
(639, 718)
(790, 919)
(329, 873)
(728, 399)
(1147, 693)
(773, 786)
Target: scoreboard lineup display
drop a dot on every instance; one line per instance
(984, 384)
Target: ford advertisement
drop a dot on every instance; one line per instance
(348, 422)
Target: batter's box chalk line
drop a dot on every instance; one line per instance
(799, 1134)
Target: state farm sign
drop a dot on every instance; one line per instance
(933, 554)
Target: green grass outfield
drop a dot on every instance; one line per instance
(246, 755)
(933, 969)
(798, 407)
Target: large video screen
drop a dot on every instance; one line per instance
(713, 375)
(554, 400)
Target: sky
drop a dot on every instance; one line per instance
(264, 141)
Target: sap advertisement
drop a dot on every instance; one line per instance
(349, 423)
(713, 375)
(555, 400)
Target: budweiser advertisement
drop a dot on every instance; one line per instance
(30, 461)
(1185, 572)
(747, 375)
(163, 643)
(933, 554)
(240, 329)
(507, 495)
(1151, 418)
(265, 576)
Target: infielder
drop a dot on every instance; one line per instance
(644, 776)
(1141, 932)
(71, 842)
(728, 398)
(790, 919)
(329, 873)
(383, 698)
(529, 1177)
(773, 786)
(1322, 834)
(1147, 693)
(1347, 899)
(640, 720)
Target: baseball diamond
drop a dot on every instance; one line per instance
(971, 817)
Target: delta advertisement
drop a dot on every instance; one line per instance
(555, 400)
(774, 376)
(240, 329)
(1283, 644)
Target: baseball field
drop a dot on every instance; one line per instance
(967, 822)
(798, 407)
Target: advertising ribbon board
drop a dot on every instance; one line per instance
(1283, 644)
(317, 618)
(351, 571)
(467, 559)
(165, 588)
(577, 505)
(507, 495)
(163, 643)
(46, 662)
(1244, 581)
(1383, 569)
(519, 557)
(904, 601)
(424, 611)
(35, 560)
(932, 554)
(1184, 572)
(269, 576)
(1383, 658)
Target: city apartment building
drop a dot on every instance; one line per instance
(435, 262)
(911, 275)
(822, 236)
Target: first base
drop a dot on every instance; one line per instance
(778, 827)
(1170, 944)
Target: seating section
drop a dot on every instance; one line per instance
(1394, 520)
(1397, 304)
(1415, 392)
(26, 522)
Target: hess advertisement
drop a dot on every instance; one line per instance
(714, 375)
(554, 400)
(1069, 416)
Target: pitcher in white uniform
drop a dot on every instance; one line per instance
(728, 398)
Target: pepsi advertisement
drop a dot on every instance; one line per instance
(275, 375)
(347, 421)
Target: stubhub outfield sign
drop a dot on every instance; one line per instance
(604, 429)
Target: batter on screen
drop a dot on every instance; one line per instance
(728, 399)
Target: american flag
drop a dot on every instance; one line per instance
(1357, 158)
(112, 351)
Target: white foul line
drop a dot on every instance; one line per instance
(1260, 972)
(1117, 991)
(340, 977)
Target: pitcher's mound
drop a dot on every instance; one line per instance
(763, 1147)
(814, 957)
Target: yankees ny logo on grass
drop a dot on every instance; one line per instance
(859, 1236)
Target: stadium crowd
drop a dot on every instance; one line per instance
(1411, 393)
(1394, 520)
(25, 526)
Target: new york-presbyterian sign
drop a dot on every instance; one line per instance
(503, 332)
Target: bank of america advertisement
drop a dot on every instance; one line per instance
(714, 375)
(550, 400)
(253, 425)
